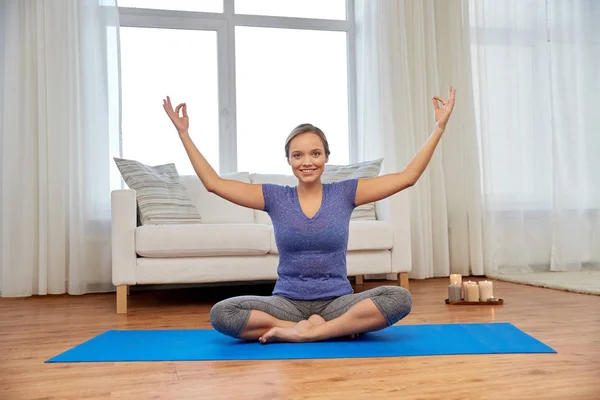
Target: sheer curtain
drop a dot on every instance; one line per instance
(59, 127)
(535, 69)
(407, 52)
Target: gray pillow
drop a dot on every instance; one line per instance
(162, 198)
(366, 169)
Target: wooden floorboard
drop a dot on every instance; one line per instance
(37, 328)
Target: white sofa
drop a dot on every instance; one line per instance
(235, 244)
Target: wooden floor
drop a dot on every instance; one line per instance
(35, 329)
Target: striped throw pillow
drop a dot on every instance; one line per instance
(366, 169)
(161, 196)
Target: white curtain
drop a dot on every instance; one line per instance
(535, 66)
(407, 52)
(59, 126)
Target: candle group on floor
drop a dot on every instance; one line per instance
(469, 290)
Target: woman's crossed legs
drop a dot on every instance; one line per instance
(275, 318)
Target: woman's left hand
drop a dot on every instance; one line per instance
(442, 113)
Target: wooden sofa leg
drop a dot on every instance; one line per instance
(122, 291)
(403, 279)
(359, 279)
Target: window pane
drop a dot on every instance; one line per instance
(179, 63)
(329, 9)
(286, 77)
(215, 6)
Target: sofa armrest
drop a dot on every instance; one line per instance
(124, 223)
(396, 210)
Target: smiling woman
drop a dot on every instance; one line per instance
(313, 298)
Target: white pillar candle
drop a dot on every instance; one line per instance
(456, 279)
(464, 289)
(472, 292)
(454, 293)
(486, 290)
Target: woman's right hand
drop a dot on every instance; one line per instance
(182, 123)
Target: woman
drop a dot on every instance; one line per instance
(313, 299)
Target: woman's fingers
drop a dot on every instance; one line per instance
(436, 105)
(444, 102)
(168, 109)
(167, 105)
(439, 99)
(174, 113)
(452, 98)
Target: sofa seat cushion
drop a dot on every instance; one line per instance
(364, 235)
(198, 240)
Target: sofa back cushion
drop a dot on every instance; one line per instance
(214, 209)
(160, 195)
(366, 169)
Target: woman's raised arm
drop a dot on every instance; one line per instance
(241, 193)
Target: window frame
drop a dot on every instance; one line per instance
(224, 24)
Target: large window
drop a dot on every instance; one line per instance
(249, 72)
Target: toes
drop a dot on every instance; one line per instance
(267, 336)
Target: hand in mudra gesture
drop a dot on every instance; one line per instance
(182, 123)
(442, 113)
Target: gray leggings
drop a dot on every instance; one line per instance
(231, 315)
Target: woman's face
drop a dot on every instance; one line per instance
(307, 157)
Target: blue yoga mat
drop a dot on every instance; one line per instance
(395, 341)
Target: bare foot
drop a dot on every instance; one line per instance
(316, 319)
(298, 333)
